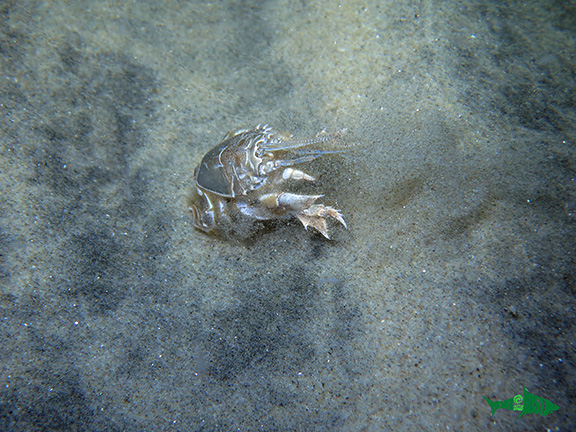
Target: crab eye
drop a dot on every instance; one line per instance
(266, 168)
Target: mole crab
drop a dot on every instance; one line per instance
(248, 171)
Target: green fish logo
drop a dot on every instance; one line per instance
(526, 404)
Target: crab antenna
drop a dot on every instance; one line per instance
(282, 145)
(321, 152)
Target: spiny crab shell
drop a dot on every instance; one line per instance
(248, 171)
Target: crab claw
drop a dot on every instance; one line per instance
(303, 207)
(315, 216)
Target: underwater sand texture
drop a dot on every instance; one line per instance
(455, 282)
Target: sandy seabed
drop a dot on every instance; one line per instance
(455, 282)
